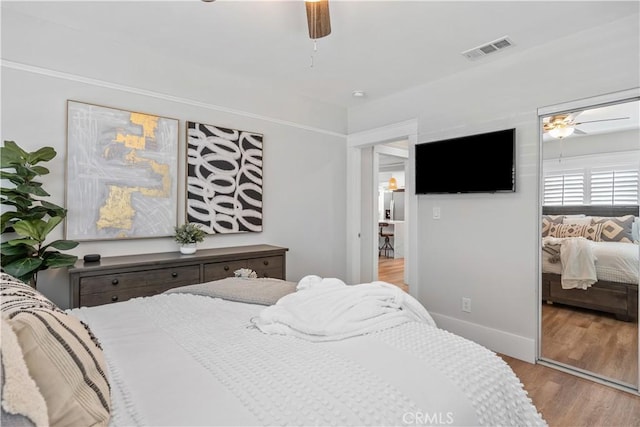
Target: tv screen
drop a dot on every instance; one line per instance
(481, 163)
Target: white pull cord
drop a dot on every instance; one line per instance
(315, 49)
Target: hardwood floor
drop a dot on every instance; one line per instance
(591, 340)
(391, 270)
(564, 400)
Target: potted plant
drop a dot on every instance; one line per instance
(29, 219)
(188, 235)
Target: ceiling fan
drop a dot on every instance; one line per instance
(562, 125)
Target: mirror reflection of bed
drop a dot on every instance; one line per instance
(590, 253)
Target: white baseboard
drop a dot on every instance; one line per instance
(494, 339)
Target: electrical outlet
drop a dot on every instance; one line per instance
(466, 304)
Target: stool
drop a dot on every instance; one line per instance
(386, 246)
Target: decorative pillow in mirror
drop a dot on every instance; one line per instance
(616, 229)
(590, 232)
(547, 220)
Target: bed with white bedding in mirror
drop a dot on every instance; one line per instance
(591, 258)
(248, 352)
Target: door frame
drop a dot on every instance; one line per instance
(357, 231)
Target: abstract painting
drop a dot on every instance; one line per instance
(121, 173)
(224, 179)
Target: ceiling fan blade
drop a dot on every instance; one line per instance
(602, 120)
(571, 117)
(579, 132)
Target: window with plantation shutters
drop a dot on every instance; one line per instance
(564, 189)
(605, 179)
(614, 187)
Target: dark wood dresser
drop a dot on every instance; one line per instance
(114, 279)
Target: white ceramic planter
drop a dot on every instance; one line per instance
(188, 248)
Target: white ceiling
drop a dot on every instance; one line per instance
(380, 47)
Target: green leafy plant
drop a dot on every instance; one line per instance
(189, 233)
(25, 213)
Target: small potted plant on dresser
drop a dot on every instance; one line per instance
(188, 235)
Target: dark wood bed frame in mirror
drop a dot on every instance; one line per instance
(620, 299)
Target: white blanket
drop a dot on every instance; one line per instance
(329, 310)
(189, 360)
(578, 261)
(616, 262)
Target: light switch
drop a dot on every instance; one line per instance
(436, 212)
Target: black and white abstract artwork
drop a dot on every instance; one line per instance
(224, 179)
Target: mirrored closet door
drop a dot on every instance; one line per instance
(590, 253)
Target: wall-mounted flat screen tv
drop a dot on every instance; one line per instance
(481, 163)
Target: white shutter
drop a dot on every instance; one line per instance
(567, 189)
(614, 187)
(553, 190)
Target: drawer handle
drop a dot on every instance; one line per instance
(265, 262)
(114, 282)
(174, 274)
(226, 268)
(114, 298)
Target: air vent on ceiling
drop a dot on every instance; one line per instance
(488, 48)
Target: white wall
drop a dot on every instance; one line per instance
(485, 246)
(304, 161)
(42, 43)
(628, 140)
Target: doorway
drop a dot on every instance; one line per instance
(392, 159)
(362, 218)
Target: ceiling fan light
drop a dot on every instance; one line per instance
(318, 18)
(561, 131)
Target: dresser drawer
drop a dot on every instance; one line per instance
(171, 277)
(220, 270)
(267, 267)
(122, 294)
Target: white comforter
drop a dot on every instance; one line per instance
(616, 262)
(186, 360)
(329, 310)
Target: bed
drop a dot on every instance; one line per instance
(611, 284)
(245, 351)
